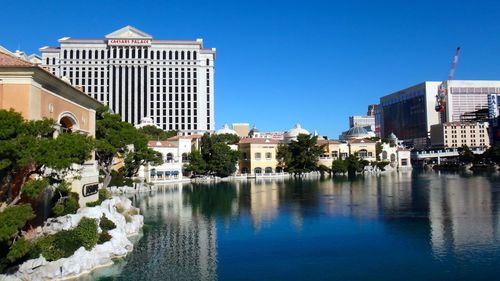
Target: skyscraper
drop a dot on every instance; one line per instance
(171, 81)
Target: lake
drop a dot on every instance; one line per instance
(399, 226)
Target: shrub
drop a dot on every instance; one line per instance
(106, 224)
(12, 219)
(86, 232)
(20, 249)
(103, 195)
(64, 243)
(67, 201)
(104, 237)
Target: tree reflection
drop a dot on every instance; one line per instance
(211, 200)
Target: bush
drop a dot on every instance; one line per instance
(12, 219)
(64, 243)
(106, 224)
(66, 201)
(104, 237)
(20, 249)
(86, 232)
(103, 195)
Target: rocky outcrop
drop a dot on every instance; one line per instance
(119, 210)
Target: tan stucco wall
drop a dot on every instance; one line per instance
(252, 162)
(33, 103)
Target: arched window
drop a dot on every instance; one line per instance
(102, 54)
(257, 156)
(127, 53)
(268, 170)
(77, 54)
(176, 55)
(363, 153)
(152, 55)
(268, 155)
(71, 54)
(182, 55)
(53, 60)
(208, 62)
(244, 170)
(96, 54)
(184, 157)
(65, 54)
(170, 157)
(188, 55)
(384, 155)
(258, 170)
(393, 157)
(164, 55)
(158, 54)
(194, 55)
(169, 55)
(83, 54)
(90, 54)
(47, 60)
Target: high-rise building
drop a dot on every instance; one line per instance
(409, 113)
(170, 81)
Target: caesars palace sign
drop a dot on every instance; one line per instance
(133, 42)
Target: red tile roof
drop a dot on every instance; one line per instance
(153, 143)
(7, 60)
(323, 141)
(185, 137)
(259, 141)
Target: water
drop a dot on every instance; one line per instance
(401, 226)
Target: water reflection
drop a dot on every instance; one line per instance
(439, 216)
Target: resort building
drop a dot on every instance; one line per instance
(137, 76)
(356, 133)
(258, 156)
(363, 148)
(333, 150)
(242, 129)
(175, 152)
(38, 94)
(367, 122)
(458, 134)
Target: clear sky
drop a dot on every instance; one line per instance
(282, 62)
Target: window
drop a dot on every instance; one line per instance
(170, 157)
(268, 170)
(245, 156)
(268, 156)
(208, 62)
(184, 157)
(176, 55)
(363, 153)
(258, 170)
(257, 156)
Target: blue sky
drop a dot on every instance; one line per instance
(282, 62)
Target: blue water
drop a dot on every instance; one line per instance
(401, 226)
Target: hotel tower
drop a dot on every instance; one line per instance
(170, 81)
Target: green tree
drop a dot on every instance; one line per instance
(120, 140)
(31, 159)
(155, 133)
(301, 155)
(378, 150)
(466, 155)
(492, 154)
(339, 166)
(197, 164)
(355, 165)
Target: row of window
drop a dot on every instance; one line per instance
(128, 53)
(259, 170)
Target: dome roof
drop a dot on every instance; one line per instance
(226, 130)
(146, 121)
(357, 133)
(392, 136)
(295, 131)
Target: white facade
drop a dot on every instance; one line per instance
(367, 122)
(465, 96)
(171, 81)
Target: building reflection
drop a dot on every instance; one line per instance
(181, 243)
(462, 214)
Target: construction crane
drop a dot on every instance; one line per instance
(442, 91)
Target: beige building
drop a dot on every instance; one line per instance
(457, 134)
(37, 94)
(258, 156)
(365, 149)
(242, 129)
